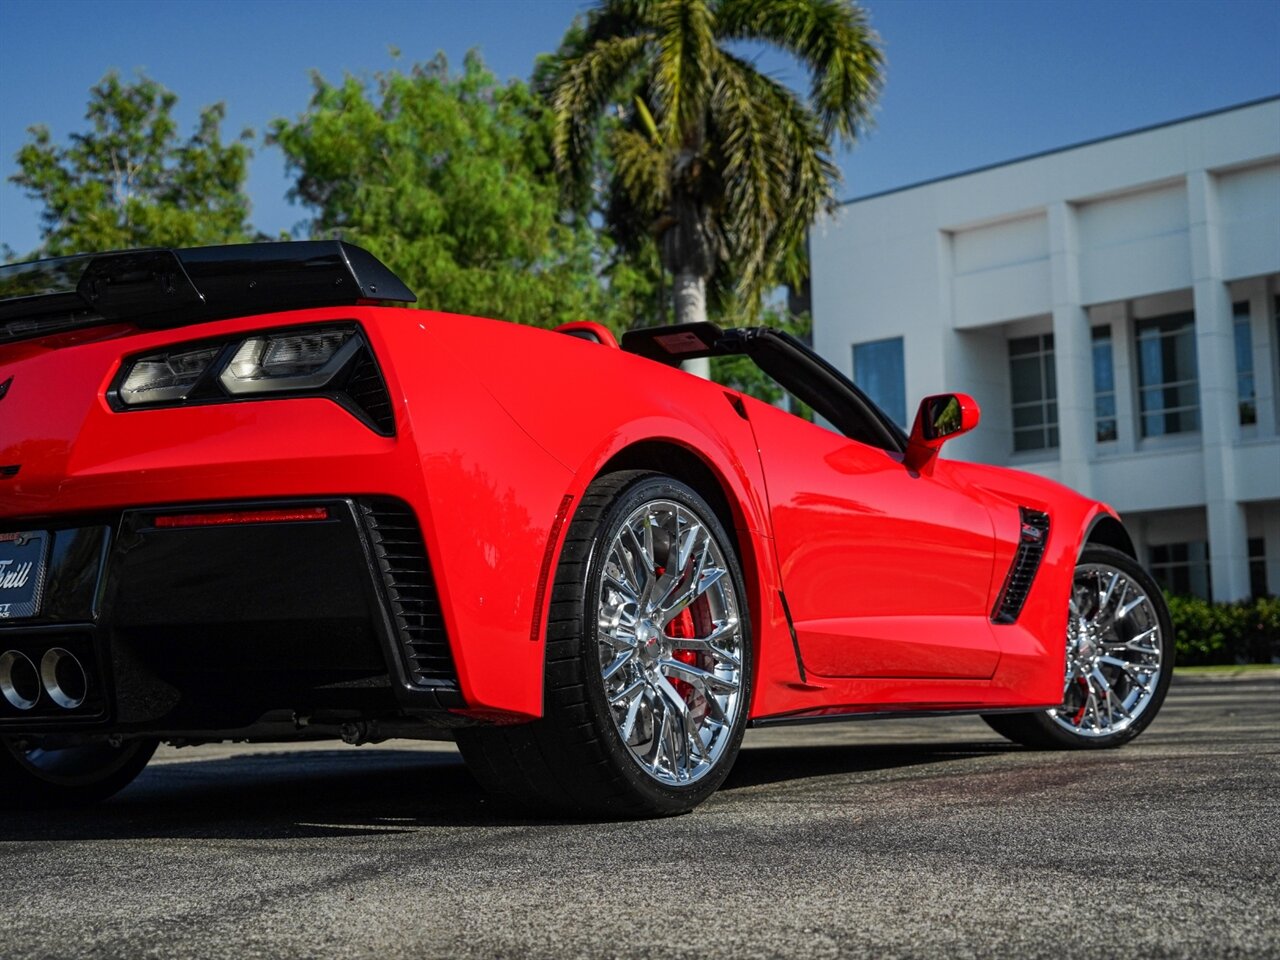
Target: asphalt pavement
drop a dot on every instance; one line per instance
(920, 838)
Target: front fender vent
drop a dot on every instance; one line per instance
(401, 556)
(1026, 562)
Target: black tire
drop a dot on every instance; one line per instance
(574, 759)
(72, 776)
(1042, 731)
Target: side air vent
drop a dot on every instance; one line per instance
(401, 556)
(368, 391)
(1034, 536)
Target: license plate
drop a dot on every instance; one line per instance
(23, 557)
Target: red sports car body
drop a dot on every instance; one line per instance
(220, 547)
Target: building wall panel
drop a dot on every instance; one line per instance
(1249, 221)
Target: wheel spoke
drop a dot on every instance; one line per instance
(701, 582)
(622, 660)
(640, 551)
(628, 725)
(707, 644)
(1129, 607)
(688, 542)
(630, 592)
(1093, 708)
(1136, 644)
(626, 693)
(673, 701)
(703, 679)
(660, 741)
(1134, 671)
(1105, 600)
(1073, 672)
(616, 637)
(1110, 701)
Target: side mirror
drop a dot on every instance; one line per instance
(938, 419)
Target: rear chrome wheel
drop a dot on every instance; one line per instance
(648, 676)
(669, 636)
(86, 773)
(1119, 659)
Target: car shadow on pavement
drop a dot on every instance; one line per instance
(343, 792)
(757, 766)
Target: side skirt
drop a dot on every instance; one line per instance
(794, 720)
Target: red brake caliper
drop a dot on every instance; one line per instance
(693, 621)
(1084, 704)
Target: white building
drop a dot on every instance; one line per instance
(1112, 306)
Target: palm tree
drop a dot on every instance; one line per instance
(724, 166)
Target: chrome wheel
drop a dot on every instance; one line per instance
(670, 639)
(1115, 652)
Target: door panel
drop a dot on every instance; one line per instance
(887, 574)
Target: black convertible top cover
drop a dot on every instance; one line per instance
(159, 288)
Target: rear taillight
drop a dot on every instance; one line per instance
(288, 361)
(165, 377)
(331, 361)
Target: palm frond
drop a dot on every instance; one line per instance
(583, 88)
(776, 172)
(748, 166)
(640, 170)
(620, 18)
(682, 74)
(832, 38)
(646, 118)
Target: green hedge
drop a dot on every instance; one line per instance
(1246, 632)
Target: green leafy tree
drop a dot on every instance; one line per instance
(130, 180)
(448, 178)
(725, 166)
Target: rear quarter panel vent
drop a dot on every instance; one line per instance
(401, 556)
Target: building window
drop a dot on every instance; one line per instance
(1035, 393)
(1168, 393)
(1104, 386)
(1244, 363)
(878, 371)
(1182, 568)
(1258, 567)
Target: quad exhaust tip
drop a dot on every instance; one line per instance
(19, 680)
(63, 678)
(61, 675)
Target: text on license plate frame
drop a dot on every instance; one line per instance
(24, 559)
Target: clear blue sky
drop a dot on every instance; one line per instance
(969, 82)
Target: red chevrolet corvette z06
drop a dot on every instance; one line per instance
(243, 498)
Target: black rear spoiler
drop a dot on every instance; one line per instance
(157, 288)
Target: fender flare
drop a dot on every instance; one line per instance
(1106, 528)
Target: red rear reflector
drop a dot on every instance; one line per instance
(242, 516)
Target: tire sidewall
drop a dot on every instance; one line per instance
(659, 796)
(21, 786)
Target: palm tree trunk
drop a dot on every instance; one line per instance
(689, 290)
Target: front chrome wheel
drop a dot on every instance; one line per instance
(669, 638)
(1119, 659)
(1115, 649)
